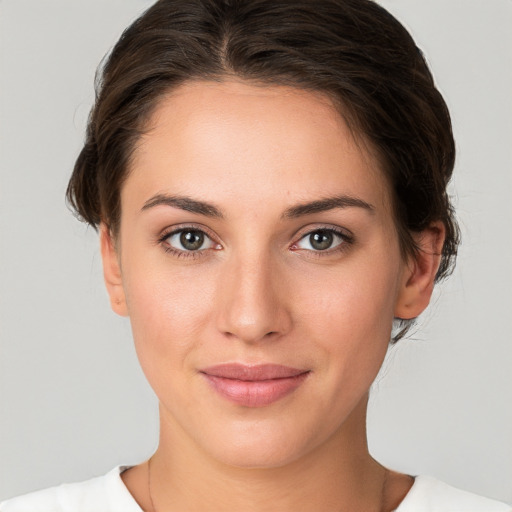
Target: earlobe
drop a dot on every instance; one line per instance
(420, 273)
(112, 272)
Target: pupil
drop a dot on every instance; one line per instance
(321, 240)
(191, 240)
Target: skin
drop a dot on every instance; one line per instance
(259, 292)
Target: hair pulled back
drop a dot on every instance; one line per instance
(354, 51)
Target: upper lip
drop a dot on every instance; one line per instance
(257, 372)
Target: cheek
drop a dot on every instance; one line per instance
(351, 317)
(358, 298)
(168, 310)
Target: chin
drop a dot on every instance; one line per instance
(256, 456)
(262, 444)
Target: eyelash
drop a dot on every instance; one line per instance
(178, 253)
(346, 241)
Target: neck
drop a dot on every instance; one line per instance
(338, 475)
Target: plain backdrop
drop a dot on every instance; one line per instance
(73, 401)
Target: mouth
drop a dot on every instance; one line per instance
(254, 386)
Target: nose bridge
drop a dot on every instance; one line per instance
(251, 307)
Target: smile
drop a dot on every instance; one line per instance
(254, 386)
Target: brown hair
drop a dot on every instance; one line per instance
(352, 50)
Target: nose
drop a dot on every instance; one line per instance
(253, 300)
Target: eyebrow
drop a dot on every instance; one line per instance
(184, 203)
(329, 203)
(209, 210)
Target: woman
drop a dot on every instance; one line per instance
(269, 184)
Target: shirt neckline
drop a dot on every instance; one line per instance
(127, 495)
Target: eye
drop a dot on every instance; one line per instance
(321, 240)
(189, 240)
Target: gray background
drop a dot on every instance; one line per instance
(73, 402)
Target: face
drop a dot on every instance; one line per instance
(260, 267)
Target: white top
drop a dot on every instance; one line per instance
(109, 494)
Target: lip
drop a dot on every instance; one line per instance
(254, 385)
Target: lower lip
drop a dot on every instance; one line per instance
(255, 393)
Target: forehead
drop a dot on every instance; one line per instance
(236, 138)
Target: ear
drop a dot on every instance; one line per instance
(420, 273)
(112, 272)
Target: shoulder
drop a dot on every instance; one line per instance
(106, 494)
(430, 495)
